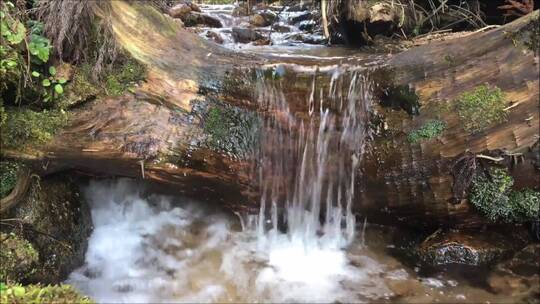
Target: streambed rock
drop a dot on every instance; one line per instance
(245, 35)
(474, 248)
(55, 220)
(262, 19)
(519, 274)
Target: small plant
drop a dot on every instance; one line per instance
(481, 108)
(60, 294)
(492, 194)
(52, 86)
(429, 130)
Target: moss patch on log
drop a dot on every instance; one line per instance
(481, 108)
(492, 194)
(230, 129)
(18, 258)
(16, 293)
(8, 177)
(25, 127)
(429, 130)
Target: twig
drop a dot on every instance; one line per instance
(495, 159)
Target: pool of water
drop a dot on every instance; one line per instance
(155, 248)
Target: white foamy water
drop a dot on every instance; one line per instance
(164, 249)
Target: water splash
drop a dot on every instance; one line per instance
(309, 166)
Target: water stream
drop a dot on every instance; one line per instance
(304, 244)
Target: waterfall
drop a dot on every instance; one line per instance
(307, 165)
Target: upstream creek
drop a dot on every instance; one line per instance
(304, 245)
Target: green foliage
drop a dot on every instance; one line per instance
(481, 108)
(429, 130)
(25, 127)
(231, 130)
(18, 258)
(8, 177)
(52, 85)
(59, 294)
(494, 197)
(121, 79)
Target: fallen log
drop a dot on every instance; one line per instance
(171, 125)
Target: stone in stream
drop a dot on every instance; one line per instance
(301, 17)
(281, 28)
(465, 248)
(180, 11)
(245, 35)
(196, 18)
(214, 37)
(519, 274)
(262, 19)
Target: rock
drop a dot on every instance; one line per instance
(195, 19)
(465, 248)
(262, 41)
(57, 224)
(240, 10)
(518, 274)
(214, 37)
(281, 28)
(301, 17)
(18, 258)
(180, 11)
(298, 7)
(245, 35)
(307, 25)
(195, 7)
(262, 19)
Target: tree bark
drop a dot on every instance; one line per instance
(163, 123)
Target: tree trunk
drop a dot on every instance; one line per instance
(162, 131)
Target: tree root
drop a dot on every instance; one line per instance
(23, 181)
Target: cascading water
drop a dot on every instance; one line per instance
(301, 247)
(308, 166)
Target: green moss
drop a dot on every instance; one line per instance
(121, 79)
(493, 196)
(429, 130)
(8, 177)
(230, 130)
(481, 108)
(17, 258)
(25, 127)
(37, 294)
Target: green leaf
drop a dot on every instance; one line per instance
(35, 74)
(62, 80)
(11, 63)
(58, 89)
(18, 291)
(46, 83)
(18, 36)
(40, 47)
(52, 70)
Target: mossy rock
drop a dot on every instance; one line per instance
(471, 248)
(18, 258)
(14, 294)
(58, 223)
